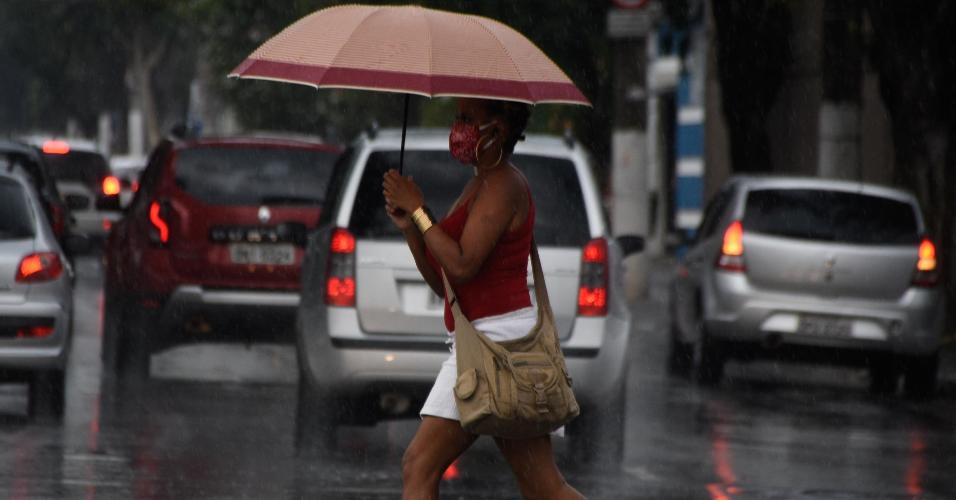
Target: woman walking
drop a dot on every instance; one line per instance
(483, 245)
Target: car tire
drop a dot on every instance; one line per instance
(112, 320)
(920, 375)
(680, 355)
(711, 357)
(596, 436)
(47, 394)
(130, 327)
(315, 419)
(884, 375)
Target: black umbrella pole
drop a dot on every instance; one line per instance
(401, 153)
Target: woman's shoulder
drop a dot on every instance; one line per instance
(507, 182)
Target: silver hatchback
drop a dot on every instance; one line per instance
(36, 298)
(370, 332)
(810, 269)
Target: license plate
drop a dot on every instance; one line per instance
(823, 326)
(243, 253)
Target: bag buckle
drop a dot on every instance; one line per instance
(539, 398)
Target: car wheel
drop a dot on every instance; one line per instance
(680, 355)
(884, 374)
(596, 436)
(711, 357)
(132, 343)
(920, 376)
(112, 320)
(315, 419)
(47, 394)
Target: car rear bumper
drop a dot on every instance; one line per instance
(195, 313)
(353, 363)
(40, 353)
(911, 325)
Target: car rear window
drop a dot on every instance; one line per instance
(837, 216)
(254, 175)
(561, 217)
(16, 221)
(78, 166)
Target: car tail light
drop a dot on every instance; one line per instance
(732, 249)
(592, 292)
(111, 186)
(38, 267)
(34, 332)
(158, 222)
(926, 273)
(56, 147)
(340, 273)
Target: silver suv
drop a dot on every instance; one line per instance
(370, 332)
(810, 269)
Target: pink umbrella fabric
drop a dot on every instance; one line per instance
(414, 50)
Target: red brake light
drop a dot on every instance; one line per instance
(926, 266)
(37, 267)
(593, 290)
(161, 234)
(733, 245)
(340, 291)
(34, 332)
(927, 256)
(732, 248)
(340, 273)
(111, 186)
(56, 147)
(342, 242)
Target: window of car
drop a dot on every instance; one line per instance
(87, 167)
(254, 175)
(561, 216)
(16, 219)
(833, 216)
(333, 193)
(714, 213)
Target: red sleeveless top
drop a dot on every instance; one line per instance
(501, 285)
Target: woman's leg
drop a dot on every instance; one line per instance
(437, 443)
(532, 461)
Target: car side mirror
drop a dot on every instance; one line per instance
(76, 244)
(630, 244)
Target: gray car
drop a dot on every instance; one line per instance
(810, 269)
(369, 329)
(36, 298)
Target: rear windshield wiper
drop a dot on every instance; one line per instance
(289, 200)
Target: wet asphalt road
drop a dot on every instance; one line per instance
(218, 423)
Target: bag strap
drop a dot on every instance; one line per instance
(540, 287)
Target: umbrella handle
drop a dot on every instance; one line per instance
(401, 153)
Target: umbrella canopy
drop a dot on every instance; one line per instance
(411, 49)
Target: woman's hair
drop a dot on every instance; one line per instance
(516, 114)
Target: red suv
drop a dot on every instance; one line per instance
(211, 246)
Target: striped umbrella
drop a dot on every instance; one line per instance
(411, 50)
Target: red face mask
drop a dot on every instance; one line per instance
(463, 141)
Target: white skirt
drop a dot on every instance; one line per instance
(508, 326)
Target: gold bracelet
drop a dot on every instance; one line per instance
(422, 219)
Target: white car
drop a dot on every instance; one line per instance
(370, 350)
(36, 298)
(85, 181)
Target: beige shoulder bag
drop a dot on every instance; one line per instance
(514, 389)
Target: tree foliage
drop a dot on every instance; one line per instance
(753, 53)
